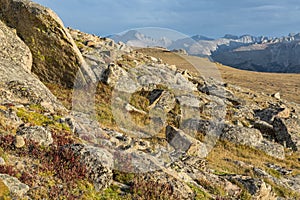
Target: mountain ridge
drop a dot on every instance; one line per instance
(280, 53)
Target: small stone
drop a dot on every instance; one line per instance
(2, 161)
(184, 143)
(172, 67)
(276, 95)
(19, 141)
(272, 149)
(90, 43)
(153, 59)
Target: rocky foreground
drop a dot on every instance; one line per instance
(83, 117)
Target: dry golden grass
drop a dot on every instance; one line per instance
(287, 84)
(224, 150)
(223, 155)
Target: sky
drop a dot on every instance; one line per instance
(212, 18)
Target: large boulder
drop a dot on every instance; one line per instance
(17, 84)
(252, 137)
(56, 59)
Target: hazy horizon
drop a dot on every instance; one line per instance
(211, 18)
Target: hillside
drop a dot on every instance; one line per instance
(83, 117)
(287, 84)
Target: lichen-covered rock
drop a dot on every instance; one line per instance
(294, 182)
(282, 134)
(99, 163)
(13, 50)
(271, 148)
(16, 188)
(293, 125)
(253, 138)
(37, 134)
(17, 85)
(242, 135)
(56, 58)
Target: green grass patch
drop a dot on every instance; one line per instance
(114, 193)
(122, 177)
(33, 117)
(199, 194)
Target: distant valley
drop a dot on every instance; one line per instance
(262, 54)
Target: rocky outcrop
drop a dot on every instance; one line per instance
(56, 59)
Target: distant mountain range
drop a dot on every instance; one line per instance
(137, 39)
(248, 52)
(195, 45)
